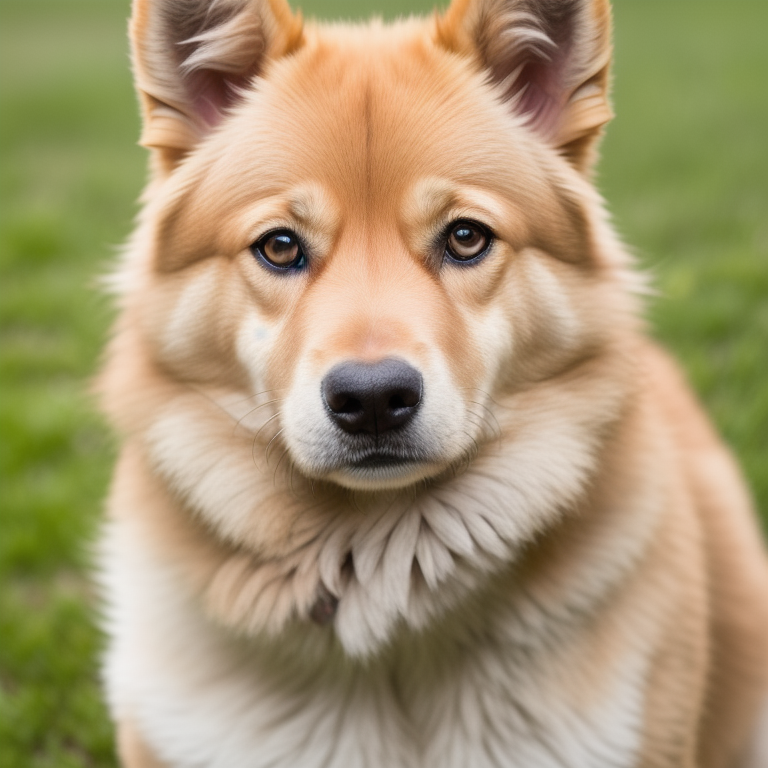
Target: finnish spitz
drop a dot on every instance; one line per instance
(403, 483)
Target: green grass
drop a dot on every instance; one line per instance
(685, 170)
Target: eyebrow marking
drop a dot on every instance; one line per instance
(313, 207)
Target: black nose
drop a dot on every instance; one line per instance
(372, 397)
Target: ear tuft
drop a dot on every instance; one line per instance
(193, 58)
(549, 59)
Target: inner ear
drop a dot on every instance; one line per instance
(549, 60)
(528, 58)
(212, 93)
(193, 59)
(226, 50)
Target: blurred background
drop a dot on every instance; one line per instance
(685, 171)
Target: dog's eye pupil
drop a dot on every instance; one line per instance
(466, 240)
(280, 249)
(463, 235)
(282, 244)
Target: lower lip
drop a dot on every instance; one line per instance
(377, 472)
(380, 462)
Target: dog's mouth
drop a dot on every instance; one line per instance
(382, 460)
(380, 468)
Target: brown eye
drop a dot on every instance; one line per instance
(467, 240)
(280, 249)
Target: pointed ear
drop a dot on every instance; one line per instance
(192, 58)
(549, 58)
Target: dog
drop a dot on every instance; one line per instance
(403, 482)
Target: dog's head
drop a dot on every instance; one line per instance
(381, 242)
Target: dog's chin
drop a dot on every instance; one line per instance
(373, 470)
(382, 473)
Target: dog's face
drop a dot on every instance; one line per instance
(363, 226)
(373, 237)
(376, 250)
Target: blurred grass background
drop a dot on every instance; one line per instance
(685, 170)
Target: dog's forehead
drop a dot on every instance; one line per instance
(368, 121)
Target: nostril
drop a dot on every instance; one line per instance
(341, 401)
(407, 397)
(404, 399)
(350, 405)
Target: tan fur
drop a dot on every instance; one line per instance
(571, 572)
(132, 749)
